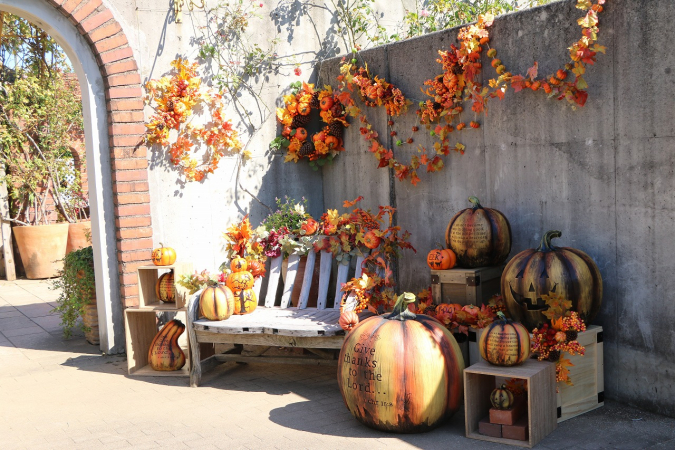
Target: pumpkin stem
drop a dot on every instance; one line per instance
(475, 202)
(401, 311)
(545, 245)
(501, 315)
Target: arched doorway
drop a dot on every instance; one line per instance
(116, 158)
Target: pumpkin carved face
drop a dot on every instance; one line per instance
(565, 271)
(441, 259)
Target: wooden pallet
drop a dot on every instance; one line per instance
(465, 286)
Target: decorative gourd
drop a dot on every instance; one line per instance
(449, 308)
(441, 259)
(256, 268)
(401, 372)
(566, 271)
(164, 353)
(371, 240)
(245, 302)
(326, 103)
(164, 288)
(239, 264)
(479, 236)
(501, 398)
(348, 320)
(217, 303)
(239, 281)
(163, 256)
(504, 342)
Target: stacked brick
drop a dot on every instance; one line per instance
(125, 129)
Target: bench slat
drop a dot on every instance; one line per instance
(324, 278)
(257, 285)
(307, 279)
(359, 263)
(273, 281)
(289, 282)
(341, 279)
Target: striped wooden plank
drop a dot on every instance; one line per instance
(257, 286)
(273, 281)
(307, 279)
(289, 282)
(324, 279)
(341, 279)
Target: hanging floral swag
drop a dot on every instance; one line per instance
(174, 98)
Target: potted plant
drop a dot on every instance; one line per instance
(40, 114)
(77, 297)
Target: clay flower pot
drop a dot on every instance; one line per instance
(42, 249)
(76, 235)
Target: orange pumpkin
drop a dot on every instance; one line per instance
(326, 103)
(450, 308)
(163, 256)
(239, 281)
(245, 302)
(441, 259)
(301, 133)
(309, 227)
(320, 136)
(348, 320)
(165, 354)
(164, 289)
(504, 342)
(292, 108)
(216, 303)
(287, 132)
(238, 264)
(332, 142)
(371, 240)
(304, 109)
(257, 268)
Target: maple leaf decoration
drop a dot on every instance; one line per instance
(238, 236)
(557, 306)
(562, 367)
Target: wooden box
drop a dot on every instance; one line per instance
(147, 278)
(479, 381)
(587, 374)
(141, 328)
(465, 286)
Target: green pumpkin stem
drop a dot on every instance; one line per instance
(401, 311)
(545, 245)
(501, 316)
(475, 202)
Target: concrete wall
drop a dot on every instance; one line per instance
(602, 174)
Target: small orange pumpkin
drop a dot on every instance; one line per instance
(301, 133)
(245, 302)
(326, 103)
(238, 265)
(332, 142)
(292, 108)
(441, 259)
(304, 109)
(239, 281)
(256, 268)
(320, 136)
(287, 132)
(371, 240)
(348, 320)
(163, 256)
(450, 308)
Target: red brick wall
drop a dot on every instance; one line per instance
(129, 164)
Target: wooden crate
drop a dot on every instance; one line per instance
(587, 374)
(141, 328)
(465, 286)
(147, 278)
(479, 381)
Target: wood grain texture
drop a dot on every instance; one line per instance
(289, 282)
(307, 279)
(343, 269)
(147, 278)
(277, 360)
(455, 286)
(271, 340)
(324, 279)
(195, 356)
(273, 276)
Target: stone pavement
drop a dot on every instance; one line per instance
(58, 394)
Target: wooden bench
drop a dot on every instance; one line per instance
(276, 323)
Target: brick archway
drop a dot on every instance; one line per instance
(123, 93)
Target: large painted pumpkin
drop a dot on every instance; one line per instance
(566, 271)
(216, 303)
(239, 281)
(504, 343)
(245, 301)
(401, 372)
(479, 236)
(164, 288)
(164, 353)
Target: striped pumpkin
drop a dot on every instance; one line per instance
(165, 354)
(479, 236)
(504, 343)
(164, 288)
(217, 303)
(566, 271)
(402, 372)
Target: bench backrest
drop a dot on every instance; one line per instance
(273, 277)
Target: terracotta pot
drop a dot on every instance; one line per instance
(42, 249)
(76, 236)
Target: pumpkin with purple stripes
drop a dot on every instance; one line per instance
(504, 342)
(568, 272)
(401, 372)
(479, 236)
